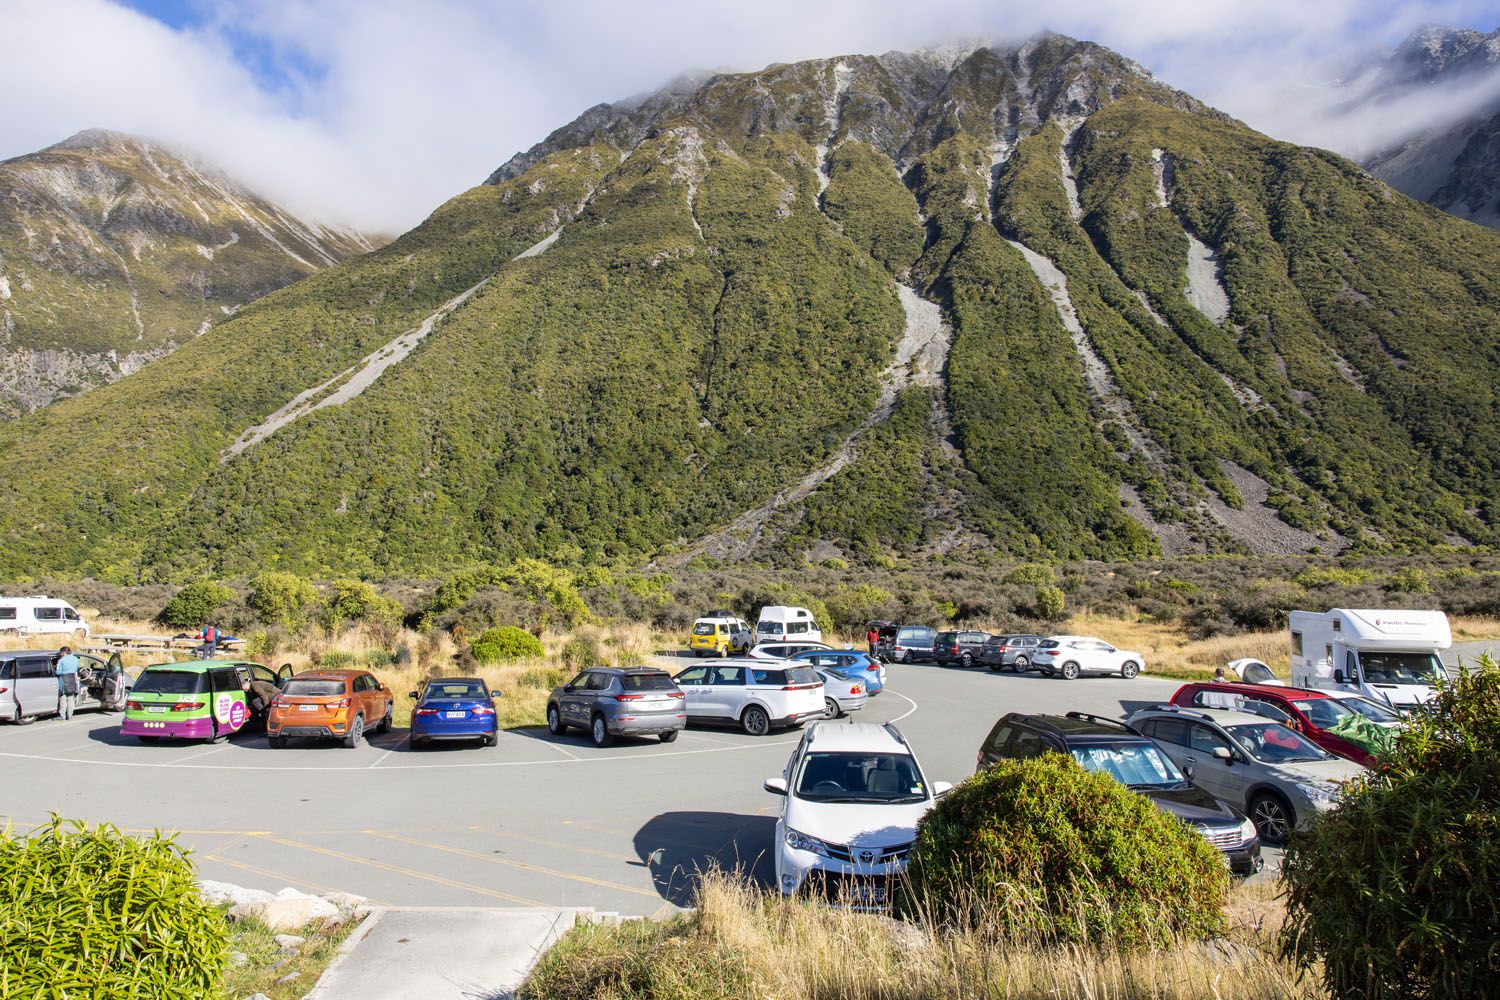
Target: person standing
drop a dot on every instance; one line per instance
(873, 638)
(67, 682)
(210, 637)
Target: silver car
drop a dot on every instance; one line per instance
(607, 702)
(842, 692)
(1263, 768)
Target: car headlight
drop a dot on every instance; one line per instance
(1319, 795)
(1247, 832)
(802, 842)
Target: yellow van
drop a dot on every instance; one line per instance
(719, 634)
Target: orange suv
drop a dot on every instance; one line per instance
(330, 704)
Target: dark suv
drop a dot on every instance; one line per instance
(905, 643)
(1109, 747)
(1012, 651)
(962, 648)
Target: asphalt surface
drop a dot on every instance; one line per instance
(536, 821)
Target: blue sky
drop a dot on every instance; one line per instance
(373, 112)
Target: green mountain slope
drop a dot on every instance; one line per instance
(1027, 300)
(114, 250)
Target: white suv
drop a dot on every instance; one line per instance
(1073, 655)
(851, 798)
(758, 695)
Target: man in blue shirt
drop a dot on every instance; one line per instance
(67, 682)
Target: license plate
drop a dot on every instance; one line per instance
(866, 895)
(454, 715)
(156, 708)
(307, 708)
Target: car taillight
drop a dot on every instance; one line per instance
(629, 697)
(483, 710)
(674, 694)
(856, 689)
(342, 703)
(1050, 652)
(134, 706)
(187, 706)
(425, 711)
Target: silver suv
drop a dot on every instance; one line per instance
(618, 701)
(1263, 768)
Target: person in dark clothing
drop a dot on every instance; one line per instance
(210, 637)
(873, 638)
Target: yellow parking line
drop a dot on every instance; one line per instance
(545, 842)
(261, 870)
(410, 872)
(602, 883)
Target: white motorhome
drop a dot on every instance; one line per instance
(778, 623)
(40, 615)
(1390, 656)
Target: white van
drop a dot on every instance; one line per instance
(1390, 656)
(779, 623)
(40, 615)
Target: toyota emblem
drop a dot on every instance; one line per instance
(867, 856)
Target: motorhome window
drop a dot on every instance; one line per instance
(7, 614)
(1296, 643)
(1351, 667)
(768, 627)
(1401, 668)
(1338, 625)
(70, 614)
(797, 628)
(48, 614)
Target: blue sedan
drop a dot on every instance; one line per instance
(856, 663)
(454, 708)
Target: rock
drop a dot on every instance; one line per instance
(278, 964)
(238, 958)
(345, 900)
(257, 996)
(287, 910)
(218, 893)
(290, 942)
(287, 978)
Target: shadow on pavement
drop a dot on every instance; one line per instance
(676, 846)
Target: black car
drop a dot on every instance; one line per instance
(1110, 747)
(1012, 651)
(958, 647)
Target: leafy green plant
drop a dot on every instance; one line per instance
(852, 606)
(1409, 580)
(1030, 575)
(1393, 890)
(283, 599)
(506, 643)
(90, 912)
(1051, 604)
(195, 605)
(1041, 849)
(357, 600)
(581, 651)
(1332, 576)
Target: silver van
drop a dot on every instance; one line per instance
(28, 684)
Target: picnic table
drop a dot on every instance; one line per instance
(120, 640)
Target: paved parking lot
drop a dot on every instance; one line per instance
(535, 821)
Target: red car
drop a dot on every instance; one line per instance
(1311, 713)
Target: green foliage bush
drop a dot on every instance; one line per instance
(1051, 604)
(850, 607)
(1043, 850)
(195, 605)
(90, 912)
(358, 601)
(581, 651)
(1332, 576)
(284, 599)
(506, 643)
(1409, 580)
(1394, 889)
(1030, 575)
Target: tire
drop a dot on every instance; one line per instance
(554, 721)
(385, 723)
(277, 742)
(905, 656)
(1273, 818)
(832, 708)
(79, 635)
(723, 652)
(148, 739)
(218, 737)
(356, 733)
(417, 742)
(1021, 665)
(489, 741)
(995, 668)
(1070, 671)
(599, 732)
(1129, 669)
(22, 720)
(670, 737)
(755, 721)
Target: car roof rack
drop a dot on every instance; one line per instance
(1179, 710)
(890, 727)
(1100, 720)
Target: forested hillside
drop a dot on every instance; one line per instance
(1026, 300)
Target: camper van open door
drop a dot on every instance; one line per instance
(1390, 656)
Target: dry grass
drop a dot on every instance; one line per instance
(1169, 651)
(743, 942)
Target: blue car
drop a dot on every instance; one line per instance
(857, 664)
(454, 708)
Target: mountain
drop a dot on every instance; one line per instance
(1019, 299)
(1444, 84)
(115, 250)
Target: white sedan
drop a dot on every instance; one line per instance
(1072, 656)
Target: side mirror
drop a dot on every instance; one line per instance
(1223, 753)
(941, 788)
(567, 689)
(776, 786)
(1338, 676)
(494, 694)
(411, 694)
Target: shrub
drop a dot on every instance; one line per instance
(1030, 575)
(1332, 576)
(1409, 580)
(283, 599)
(1394, 889)
(195, 605)
(1043, 850)
(581, 651)
(92, 912)
(1051, 604)
(851, 607)
(506, 643)
(357, 601)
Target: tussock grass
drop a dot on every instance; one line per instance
(266, 962)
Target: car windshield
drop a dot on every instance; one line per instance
(449, 689)
(170, 682)
(313, 688)
(1402, 668)
(646, 682)
(860, 777)
(1274, 743)
(1139, 765)
(1325, 713)
(703, 628)
(1374, 711)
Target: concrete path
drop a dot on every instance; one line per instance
(442, 954)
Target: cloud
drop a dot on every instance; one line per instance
(373, 112)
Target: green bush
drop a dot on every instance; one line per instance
(851, 607)
(283, 599)
(581, 651)
(1394, 889)
(1332, 576)
(90, 912)
(1042, 850)
(1409, 580)
(1030, 575)
(195, 605)
(506, 643)
(357, 601)
(1051, 604)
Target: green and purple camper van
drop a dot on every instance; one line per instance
(196, 700)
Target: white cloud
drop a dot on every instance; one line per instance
(410, 104)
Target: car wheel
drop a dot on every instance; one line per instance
(490, 740)
(1021, 665)
(385, 723)
(277, 742)
(755, 721)
(723, 652)
(600, 732)
(1129, 669)
(218, 737)
(22, 720)
(1272, 817)
(905, 656)
(356, 732)
(417, 741)
(554, 721)
(1070, 671)
(831, 708)
(967, 660)
(669, 736)
(148, 739)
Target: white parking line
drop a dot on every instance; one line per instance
(180, 760)
(382, 757)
